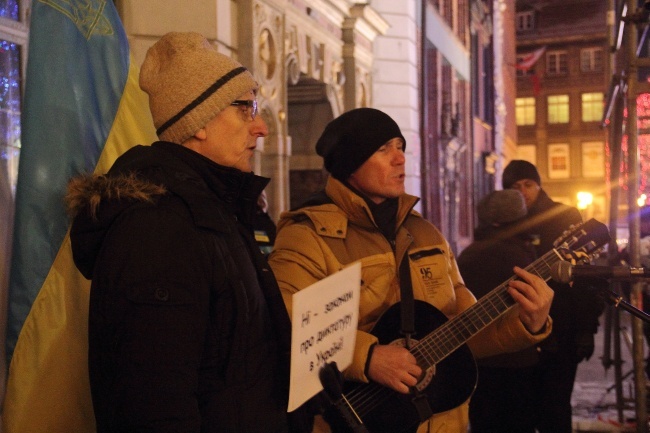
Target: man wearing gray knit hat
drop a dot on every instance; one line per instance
(365, 215)
(187, 328)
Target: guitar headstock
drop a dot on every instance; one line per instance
(581, 242)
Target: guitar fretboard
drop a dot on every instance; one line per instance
(451, 335)
(433, 348)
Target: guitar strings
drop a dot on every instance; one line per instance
(452, 334)
(367, 397)
(443, 341)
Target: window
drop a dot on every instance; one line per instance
(9, 9)
(524, 72)
(13, 40)
(11, 60)
(527, 152)
(10, 54)
(558, 109)
(591, 60)
(525, 21)
(556, 63)
(525, 111)
(592, 107)
(593, 159)
(558, 161)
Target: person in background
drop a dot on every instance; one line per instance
(263, 225)
(364, 214)
(504, 399)
(575, 309)
(187, 328)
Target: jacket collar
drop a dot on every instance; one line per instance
(213, 193)
(542, 204)
(356, 208)
(235, 189)
(339, 205)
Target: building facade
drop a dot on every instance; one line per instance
(316, 59)
(564, 71)
(443, 69)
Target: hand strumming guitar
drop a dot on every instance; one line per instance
(394, 367)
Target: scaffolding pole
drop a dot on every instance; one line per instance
(631, 60)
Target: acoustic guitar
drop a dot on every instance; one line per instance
(440, 348)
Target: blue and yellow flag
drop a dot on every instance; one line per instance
(83, 108)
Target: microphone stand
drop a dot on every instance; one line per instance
(617, 301)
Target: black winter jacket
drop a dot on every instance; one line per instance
(187, 328)
(487, 263)
(575, 308)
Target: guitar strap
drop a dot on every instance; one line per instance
(407, 305)
(407, 315)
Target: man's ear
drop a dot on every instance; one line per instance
(201, 134)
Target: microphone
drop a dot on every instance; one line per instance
(565, 272)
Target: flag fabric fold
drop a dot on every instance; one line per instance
(83, 108)
(528, 60)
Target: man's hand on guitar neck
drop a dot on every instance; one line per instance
(394, 367)
(534, 298)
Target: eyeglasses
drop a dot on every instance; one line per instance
(251, 103)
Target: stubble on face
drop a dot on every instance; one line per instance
(382, 176)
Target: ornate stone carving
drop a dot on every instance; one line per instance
(293, 69)
(267, 55)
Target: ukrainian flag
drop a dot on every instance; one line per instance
(82, 109)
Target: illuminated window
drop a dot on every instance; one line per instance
(9, 9)
(9, 108)
(556, 63)
(558, 109)
(558, 161)
(592, 107)
(13, 37)
(525, 111)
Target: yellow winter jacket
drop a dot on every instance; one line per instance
(317, 241)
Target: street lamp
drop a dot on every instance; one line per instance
(585, 199)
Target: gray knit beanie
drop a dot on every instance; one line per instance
(501, 207)
(189, 83)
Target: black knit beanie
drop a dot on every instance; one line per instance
(350, 139)
(519, 169)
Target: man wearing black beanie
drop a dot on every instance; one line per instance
(575, 309)
(364, 214)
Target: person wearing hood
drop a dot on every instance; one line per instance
(504, 399)
(187, 329)
(364, 214)
(575, 309)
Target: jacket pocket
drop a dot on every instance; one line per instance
(377, 291)
(430, 274)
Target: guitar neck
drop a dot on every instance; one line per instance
(437, 345)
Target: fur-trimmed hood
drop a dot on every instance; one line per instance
(143, 176)
(86, 192)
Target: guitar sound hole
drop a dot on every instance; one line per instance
(426, 378)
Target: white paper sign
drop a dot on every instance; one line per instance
(324, 324)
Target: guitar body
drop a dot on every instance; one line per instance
(451, 384)
(440, 343)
